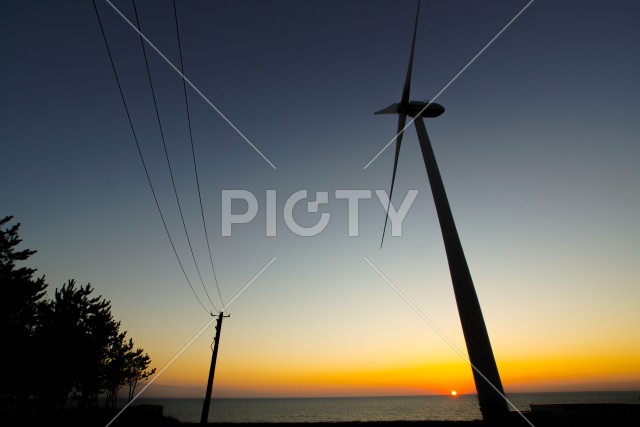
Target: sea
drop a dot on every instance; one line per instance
(337, 409)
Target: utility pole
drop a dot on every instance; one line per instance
(216, 341)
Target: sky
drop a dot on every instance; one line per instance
(538, 150)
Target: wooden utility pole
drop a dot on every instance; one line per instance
(207, 399)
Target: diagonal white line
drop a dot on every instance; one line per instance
(162, 370)
(444, 337)
(191, 84)
(190, 342)
(248, 284)
(450, 82)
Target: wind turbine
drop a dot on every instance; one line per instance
(485, 371)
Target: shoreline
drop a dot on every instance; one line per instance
(542, 415)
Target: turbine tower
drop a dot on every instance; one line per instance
(485, 371)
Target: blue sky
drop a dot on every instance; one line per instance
(538, 150)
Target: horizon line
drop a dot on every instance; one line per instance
(389, 395)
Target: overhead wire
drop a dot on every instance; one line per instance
(166, 152)
(144, 165)
(193, 152)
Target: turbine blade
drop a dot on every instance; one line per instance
(407, 80)
(391, 109)
(402, 118)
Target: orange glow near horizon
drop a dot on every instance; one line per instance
(303, 379)
(250, 368)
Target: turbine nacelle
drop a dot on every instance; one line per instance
(413, 108)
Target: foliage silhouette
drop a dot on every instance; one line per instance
(136, 370)
(80, 327)
(125, 367)
(85, 353)
(22, 296)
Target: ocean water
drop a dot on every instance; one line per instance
(333, 409)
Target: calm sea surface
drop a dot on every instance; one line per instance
(460, 408)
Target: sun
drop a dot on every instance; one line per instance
(454, 393)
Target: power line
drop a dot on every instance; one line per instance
(193, 152)
(166, 152)
(144, 165)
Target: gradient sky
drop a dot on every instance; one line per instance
(538, 150)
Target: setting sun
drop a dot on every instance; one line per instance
(454, 393)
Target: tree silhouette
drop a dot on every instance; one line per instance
(79, 327)
(116, 367)
(125, 367)
(19, 317)
(136, 371)
(53, 350)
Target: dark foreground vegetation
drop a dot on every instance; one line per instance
(61, 352)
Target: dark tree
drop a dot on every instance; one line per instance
(125, 367)
(20, 306)
(116, 367)
(136, 371)
(79, 328)
(70, 346)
